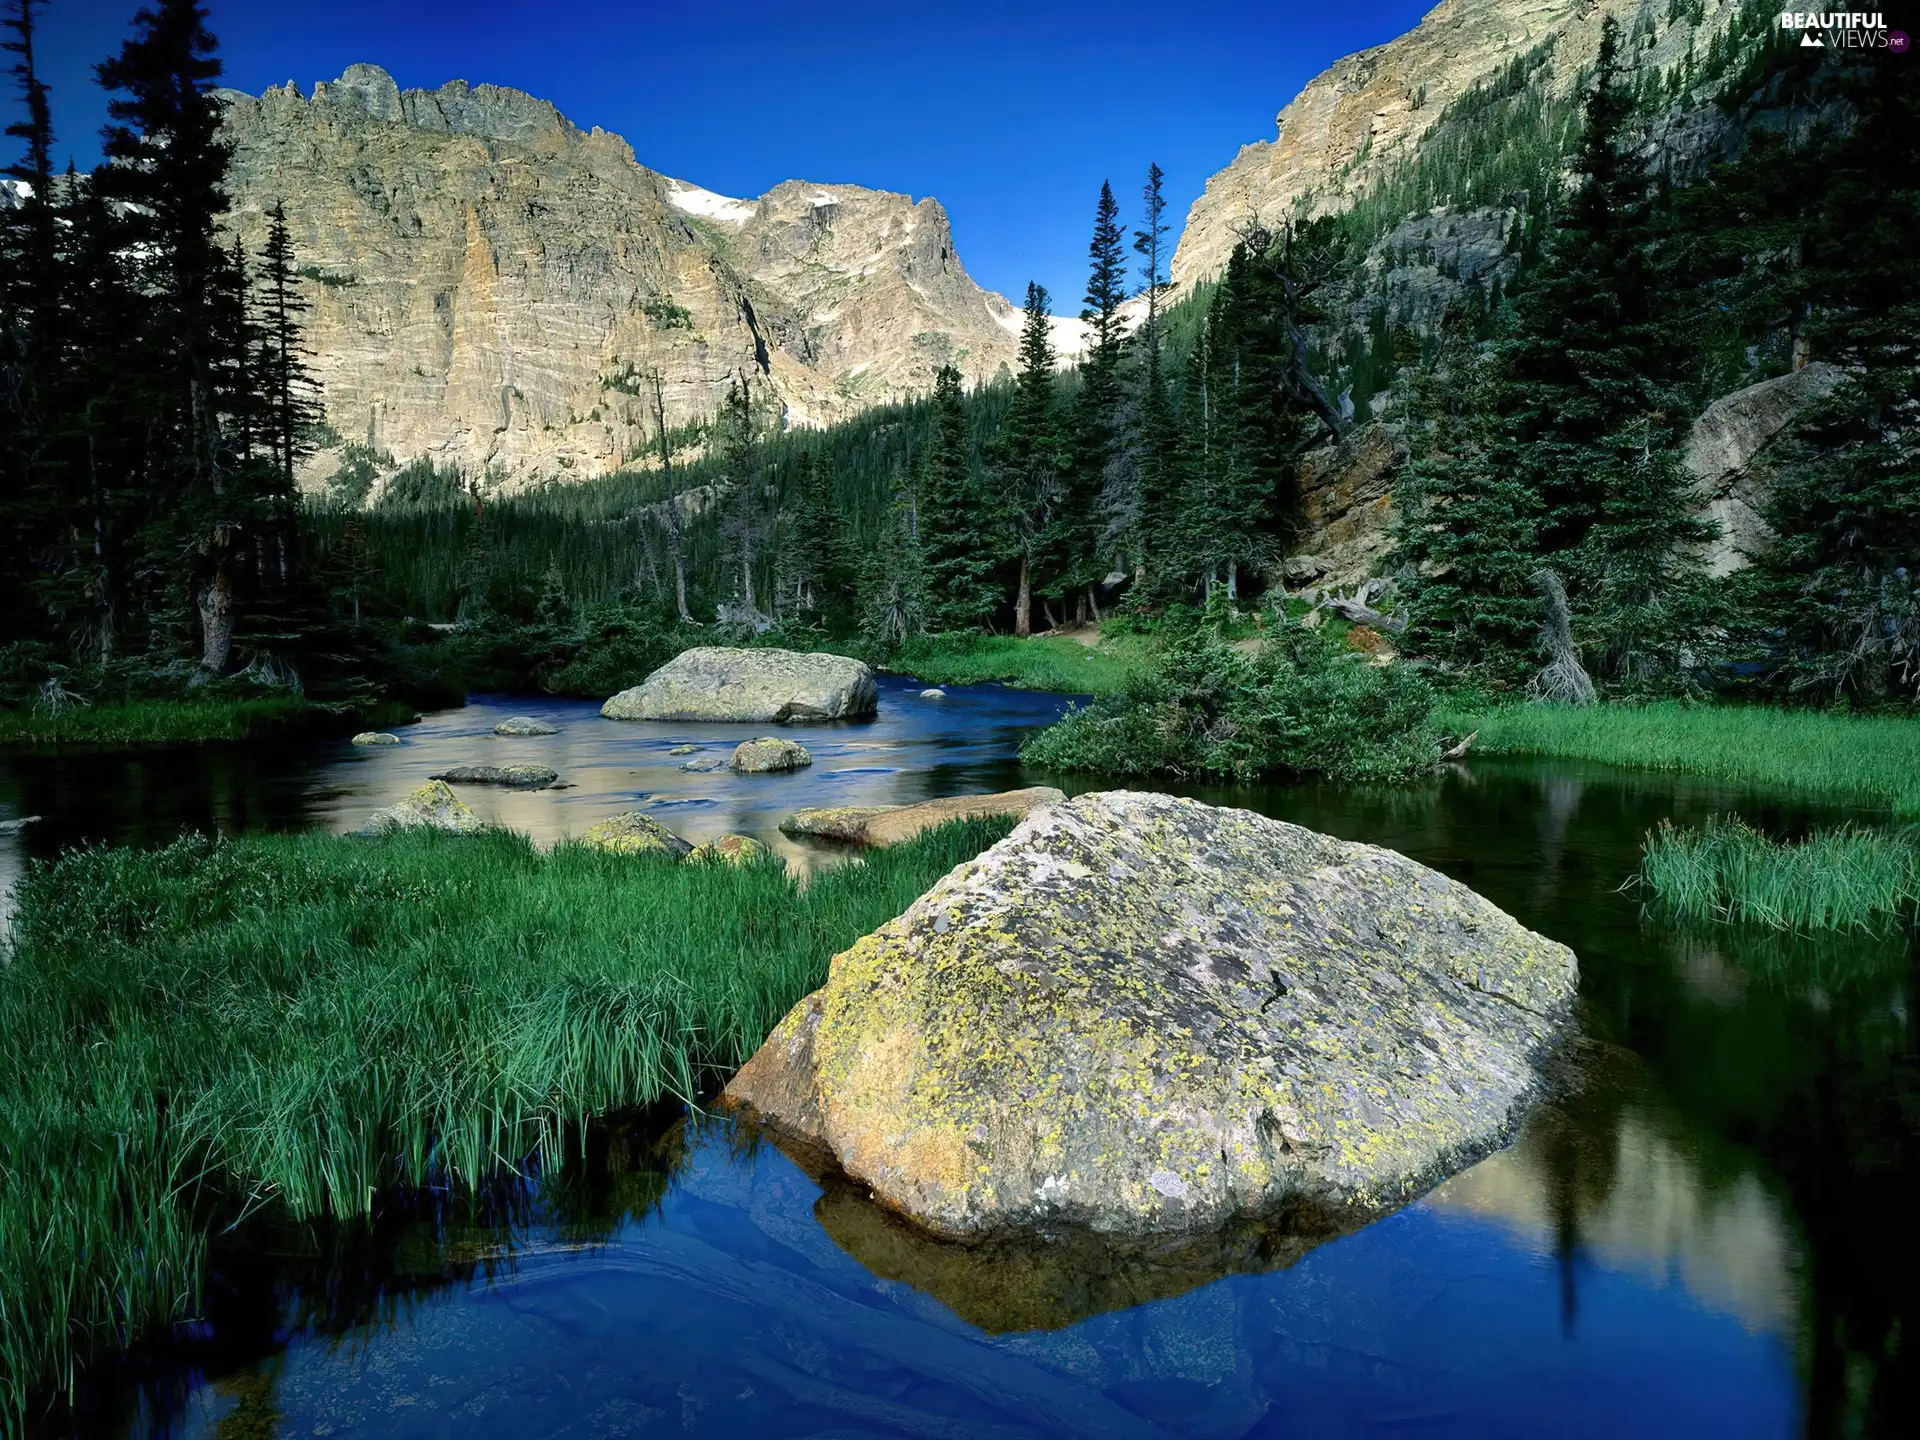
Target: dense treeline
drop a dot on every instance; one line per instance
(153, 397)
(1548, 504)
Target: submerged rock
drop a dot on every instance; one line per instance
(758, 757)
(375, 737)
(712, 683)
(634, 833)
(1149, 1017)
(525, 725)
(731, 850)
(684, 750)
(933, 692)
(15, 827)
(891, 824)
(432, 807)
(518, 777)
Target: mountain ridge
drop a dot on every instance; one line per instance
(492, 287)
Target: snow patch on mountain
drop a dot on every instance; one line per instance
(709, 206)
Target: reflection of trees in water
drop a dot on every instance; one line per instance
(273, 1280)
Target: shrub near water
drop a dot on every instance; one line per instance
(1845, 879)
(308, 1020)
(1304, 707)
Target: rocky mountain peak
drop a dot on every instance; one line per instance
(491, 286)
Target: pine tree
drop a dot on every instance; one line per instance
(956, 523)
(1838, 592)
(813, 551)
(168, 164)
(893, 584)
(1075, 538)
(292, 410)
(743, 526)
(1027, 455)
(1145, 505)
(31, 297)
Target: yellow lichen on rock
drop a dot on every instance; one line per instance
(1148, 1016)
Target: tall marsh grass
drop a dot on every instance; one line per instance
(305, 1021)
(182, 722)
(1866, 759)
(1846, 879)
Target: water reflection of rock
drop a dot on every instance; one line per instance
(1048, 1284)
(1629, 1188)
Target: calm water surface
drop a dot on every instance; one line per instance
(1706, 1237)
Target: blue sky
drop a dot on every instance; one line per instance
(1010, 113)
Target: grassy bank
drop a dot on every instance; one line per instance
(177, 722)
(1861, 759)
(1846, 879)
(307, 1021)
(1038, 663)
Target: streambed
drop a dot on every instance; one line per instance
(1703, 1239)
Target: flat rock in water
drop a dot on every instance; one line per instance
(933, 692)
(432, 807)
(700, 767)
(713, 683)
(731, 850)
(891, 824)
(1150, 1017)
(375, 737)
(518, 777)
(634, 833)
(525, 725)
(684, 750)
(15, 827)
(759, 757)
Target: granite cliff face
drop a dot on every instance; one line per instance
(1363, 114)
(491, 287)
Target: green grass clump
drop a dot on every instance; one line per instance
(179, 722)
(1866, 759)
(1845, 879)
(1038, 663)
(1303, 707)
(306, 1021)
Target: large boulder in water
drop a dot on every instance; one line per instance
(749, 686)
(431, 807)
(768, 755)
(1148, 1016)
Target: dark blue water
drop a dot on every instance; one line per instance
(1709, 1233)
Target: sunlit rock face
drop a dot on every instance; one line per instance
(1369, 111)
(1145, 1017)
(491, 287)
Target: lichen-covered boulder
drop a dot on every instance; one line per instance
(1149, 1016)
(633, 833)
(432, 807)
(750, 686)
(892, 824)
(516, 777)
(731, 850)
(765, 755)
(374, 738)
(525, 725)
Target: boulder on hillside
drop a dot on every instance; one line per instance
(1147, 1016)
(891, 824)
(750, 686)
(1727, 455)
(432, 807)
(516, 777)
(525, 725)
(768, 755)
(634, 833)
